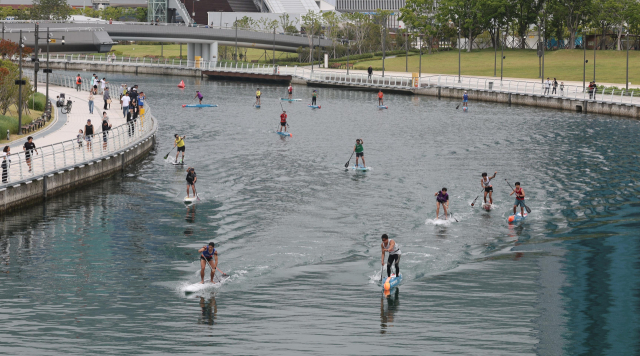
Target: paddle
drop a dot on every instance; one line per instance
(194, 188)
(474, 200)
(454, 218)
(458, 106)
(346, 165)
(167, 155)
(525, 206)
(381, 272)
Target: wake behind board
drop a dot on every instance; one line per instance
(516, 218)
(196, 287)
(285, 134)
(360, 168)
(190, 200)
(391, 282)
(285, 99)
(382, 107)
(314, 106)
(487, 206)
(178, 163)
(199, 106)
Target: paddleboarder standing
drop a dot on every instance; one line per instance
(208, 255)
(283, 121)
(465, 100)
(313, 97)
(199, 96)
(191, 181)
(442, 198)
(485, 182)
(519, 199)
(359, 151)
(258, 93)
(290, 90)
(389, 245)
(380, 96)
(181, 147)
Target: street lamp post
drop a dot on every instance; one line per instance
(406, 44)
(584, 59)
(459, 51)
(595, 37)
(20, 83)
(236, 55)
(502, 55)
(627, 38)
(420, 61)
(384, 25)
(495, 53)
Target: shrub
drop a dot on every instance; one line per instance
(37, 103)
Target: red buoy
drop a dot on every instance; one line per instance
(181, 85)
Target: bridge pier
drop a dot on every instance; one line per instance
(208, 51)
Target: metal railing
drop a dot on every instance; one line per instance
(69, 154)
(404, 82)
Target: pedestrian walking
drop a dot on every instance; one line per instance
(130, 121)
(5, 163)
(106, 126)
(125, 105)
(103, 84)
(88, 134)
(91, 102)
(370, 71)
(106, 97)
(78, 82)
(555, 86)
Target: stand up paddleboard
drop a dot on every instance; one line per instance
(285, 134)
(516, 218)
(179, 163)
(192, 288)
(199, 106)
(257, 106)
(360, 168)
(382, 107)
(285, 99)
(391, 282)
(190, 200)
(487, 206)
(465, 109)
(314, 106)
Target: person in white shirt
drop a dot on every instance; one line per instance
(103, 83)
(547, 86)
(126, 100)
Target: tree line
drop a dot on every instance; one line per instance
(60, 10)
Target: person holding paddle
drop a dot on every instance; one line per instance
(207, 254)
(485, 182)
(258, 93)
(290, 91)
(199, 96)
(465, 100)
(380, 96)
(283, 121)
(191, 181)
(359, 152)
(394, 254)
(313, 97)
(181, 147)
(442, 198)
(519, 199)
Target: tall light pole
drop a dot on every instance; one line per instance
(384, 33)
(495, 52)
(274, 47)
(420, 61)
(627, 38)
(236, 55)
(406, 45)
(48, 69)
(584, 60)
(36, 66)
(20, 83)
(459, 51)
(502, 55)
(595, 37)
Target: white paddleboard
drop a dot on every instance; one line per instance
(360, 168)
(190, 200)
(192, 288)
(179, 163)
(487, 206)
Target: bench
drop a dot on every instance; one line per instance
(350, 65)
(254, 61)
(335, 65)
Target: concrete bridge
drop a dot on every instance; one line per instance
(202, 41)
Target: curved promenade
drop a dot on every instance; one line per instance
(62, 164)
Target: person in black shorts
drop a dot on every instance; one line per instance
(28, 149)
(488, 187)
(207, 254)
(191, 180)
(5, 163)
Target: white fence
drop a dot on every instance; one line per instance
(404, 82)
(68, 154)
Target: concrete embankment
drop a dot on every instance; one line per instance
(40, 188)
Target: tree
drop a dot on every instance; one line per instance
(141, 14)
(9, 49)
(289, 26)
(466, 14)
(9, 73)
(575, 12)
(421, 16)
(245, 23)
(357, 24)
(50, 10)
(332, 21)
(312, 22)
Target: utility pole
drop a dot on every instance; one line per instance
(502, 56)
(595, 37)
(48, 70)
(236, 55)
(20, 83)
(459, 81)
(274, 47)
(495, 52)
(584, 59)
(36, 64)
(627, 38)
(384, 32)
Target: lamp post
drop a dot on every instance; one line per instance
(502, 55)
(585, 61)
(595, 37)
(459, 51)
(36, 66)
(274, 47)
(420, 61)
(627, 38)
(384, 25)
(348, 50)
(236, 55)
(495, 53)
(406, 45)
(20, 83)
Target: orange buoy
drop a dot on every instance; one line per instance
(181, 85)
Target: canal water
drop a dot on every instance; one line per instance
(102, 270)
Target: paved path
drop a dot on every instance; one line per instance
(67, 125)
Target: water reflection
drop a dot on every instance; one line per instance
(209, 310)
(191, 214)
(389, 304)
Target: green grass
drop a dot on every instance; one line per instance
(565, 65)
(10, 122)
(173, 51)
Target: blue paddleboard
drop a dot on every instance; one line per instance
(285, 134)
(285, 99)
(200, 106)
(314, 106)
(257, 106)
(391, 282)
(516, 218)
(382, 107)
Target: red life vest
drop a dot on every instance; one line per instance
(283, 117)
(518, 193)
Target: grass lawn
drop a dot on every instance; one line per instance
(10, 121)
(173, 50)
(565, 65)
